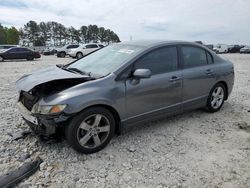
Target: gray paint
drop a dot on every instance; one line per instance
(149, 98)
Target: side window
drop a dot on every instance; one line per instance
(193, 57)
(159, 61)
(209, 58)
(22, 50)
(68, 47)
(91, 46)
(13, 50)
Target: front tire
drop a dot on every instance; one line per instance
(91, 130)
(1, 59)
(216, 98)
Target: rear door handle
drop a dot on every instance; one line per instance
(209, 72)
(174, 78)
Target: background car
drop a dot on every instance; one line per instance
(245, 50)
(63, 51)
(209, 46)
(84, 50)
(19, 53)
(221, 48)
(125, 83)
(234, 48)
(49, 51)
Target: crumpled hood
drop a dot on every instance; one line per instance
(29, 81)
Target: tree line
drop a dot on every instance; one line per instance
(9, 35)
(56, 34)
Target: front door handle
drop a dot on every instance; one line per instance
(174, 78)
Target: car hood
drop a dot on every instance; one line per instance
(46, 75)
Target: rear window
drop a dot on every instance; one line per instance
(193, 56)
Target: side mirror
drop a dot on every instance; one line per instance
(142, 73)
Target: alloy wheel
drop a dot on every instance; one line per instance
(217, 97)
(93, 131)
(79, 55)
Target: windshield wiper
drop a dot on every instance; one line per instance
(79, 71)
(72, 69)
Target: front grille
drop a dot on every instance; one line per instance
(27, 100)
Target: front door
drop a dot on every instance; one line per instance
(161, 93)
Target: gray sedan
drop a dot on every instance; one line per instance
(91, 99)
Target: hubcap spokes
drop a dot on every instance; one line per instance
(93, 131)
(217, 97)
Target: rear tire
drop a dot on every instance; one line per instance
(79, 55)
(91, 130)
(216, 98)
(30, 58)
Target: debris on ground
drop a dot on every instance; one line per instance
(20, 134)
(243, 125)
(13, 177)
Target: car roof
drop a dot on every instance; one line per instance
(90, 43)
(154, 43)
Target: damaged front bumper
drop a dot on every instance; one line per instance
(46, 125)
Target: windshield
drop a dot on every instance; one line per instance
(106, 60)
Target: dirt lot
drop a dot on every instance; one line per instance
(196, 149)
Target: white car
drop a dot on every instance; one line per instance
(84, 49)
(221, 48)
(63, 51)
(245, 50)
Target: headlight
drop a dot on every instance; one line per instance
(50, 109)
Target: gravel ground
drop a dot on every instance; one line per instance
(196, 149)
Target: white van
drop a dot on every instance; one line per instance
(221, 48)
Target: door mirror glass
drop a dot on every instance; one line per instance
(142, 73)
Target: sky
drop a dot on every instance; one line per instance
(210, 21)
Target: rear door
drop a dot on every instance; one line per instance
(71, 47)
(198, 76)
(161, 93)
(24, 53)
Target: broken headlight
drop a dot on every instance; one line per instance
(48, 109)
